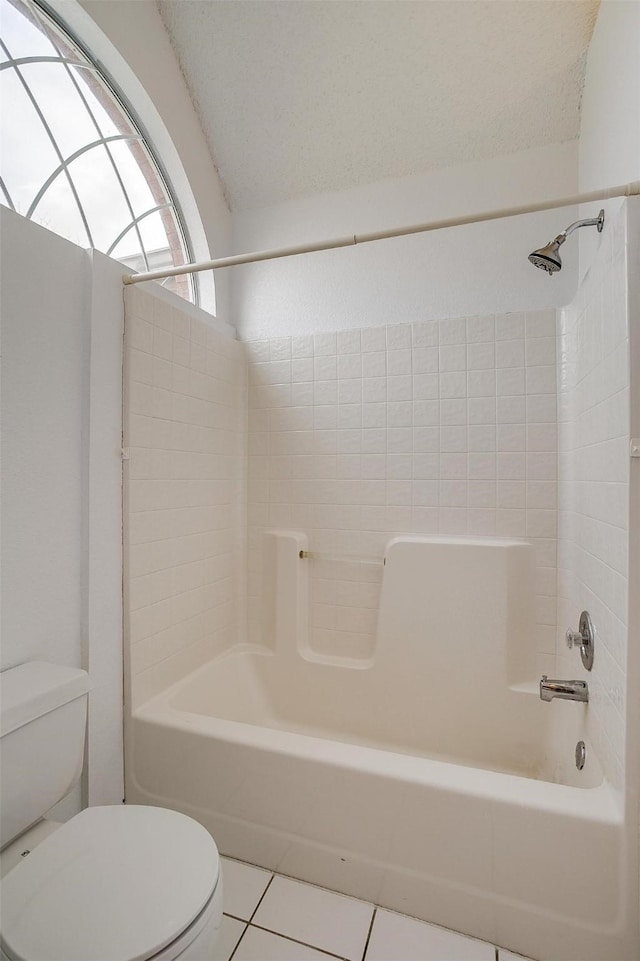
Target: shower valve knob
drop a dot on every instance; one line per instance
(583, 638)
(573, 639)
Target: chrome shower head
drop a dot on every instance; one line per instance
(548, 257)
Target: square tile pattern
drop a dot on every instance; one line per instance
(438, 427)
(593, 490)
(269, 917)
(185, 388)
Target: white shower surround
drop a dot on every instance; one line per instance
(439, 427)
(233, 773)
(419, 778)
(184, 436)
(594, 405)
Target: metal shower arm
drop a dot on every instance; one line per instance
(593, 222)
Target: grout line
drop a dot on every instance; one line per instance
(348, 896)
(246, 928)
(287, 937)
(321, 887)
(261, 898)
(366, 944)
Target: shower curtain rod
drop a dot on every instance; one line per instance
(624, 190)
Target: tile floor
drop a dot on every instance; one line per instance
(268, 917)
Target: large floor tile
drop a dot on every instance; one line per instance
(395, 937)
(329, 921)
(258, 945)
(242, 887)
(230, 933)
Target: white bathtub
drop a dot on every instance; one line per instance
(428, 778)
(531, 865)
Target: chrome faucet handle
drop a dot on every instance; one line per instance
(573, 638)
(583, 638)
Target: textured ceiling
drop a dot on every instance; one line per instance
(301, 97)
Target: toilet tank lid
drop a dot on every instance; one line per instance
(36, 688)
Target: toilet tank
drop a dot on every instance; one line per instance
(43, 713)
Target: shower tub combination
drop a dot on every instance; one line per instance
(428, 778)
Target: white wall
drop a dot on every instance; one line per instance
(609, 154)
(593, 469)
(131, 41)
(103, 638)
(61, 473)
(598, 521)
(45, 356)
(610, 125)
(434, 428)
(633, 652)
(184, 427)
(461, 271)
(609, 151)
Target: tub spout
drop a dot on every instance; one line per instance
(568, 690)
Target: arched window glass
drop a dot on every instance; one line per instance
(73, 158)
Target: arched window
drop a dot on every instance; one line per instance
(73, 157)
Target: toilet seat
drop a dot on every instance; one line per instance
(119, 882)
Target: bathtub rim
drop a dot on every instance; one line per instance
(602, 802)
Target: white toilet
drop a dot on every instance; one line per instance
(116, 883)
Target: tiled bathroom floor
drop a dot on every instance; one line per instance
(269, 917)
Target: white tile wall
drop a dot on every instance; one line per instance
(439, 427)
(593, 533)
(184, 425)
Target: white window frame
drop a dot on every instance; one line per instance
(116, 74)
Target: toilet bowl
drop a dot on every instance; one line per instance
(114, 883)
(117, 883)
